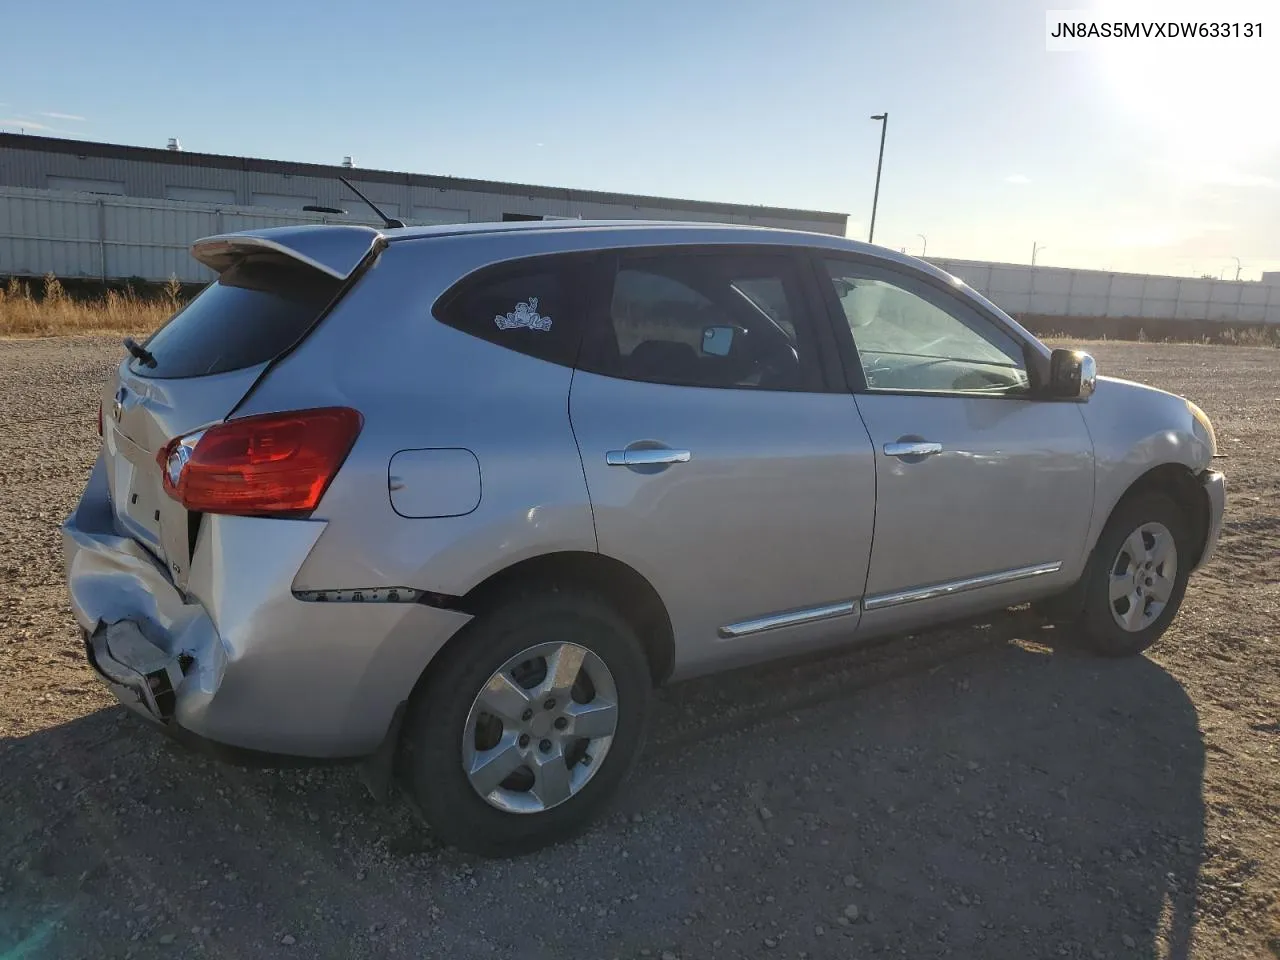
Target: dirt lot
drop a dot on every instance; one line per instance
(973, 793)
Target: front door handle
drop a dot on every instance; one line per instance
(650, 457)
(912, 448)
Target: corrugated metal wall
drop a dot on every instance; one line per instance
(85, 236)
(150, 179)
(1063, 292)
(101, 236)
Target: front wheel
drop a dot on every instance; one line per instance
(528, 725)
(1136, 578)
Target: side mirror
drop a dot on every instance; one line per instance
(1073, 374)
(716, 341)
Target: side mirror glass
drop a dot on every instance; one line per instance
(716, 341)
(1073, 374)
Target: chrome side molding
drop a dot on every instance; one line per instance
(932, 592)
(790, 618)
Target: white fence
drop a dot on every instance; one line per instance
(1062, 292)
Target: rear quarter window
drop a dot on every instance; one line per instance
(256, 310)
(533, 307)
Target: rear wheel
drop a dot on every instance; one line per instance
(1136, 578)
(525, 729)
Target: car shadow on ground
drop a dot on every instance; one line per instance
(964, 794)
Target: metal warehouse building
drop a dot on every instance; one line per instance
(82, 209)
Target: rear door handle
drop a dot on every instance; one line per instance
(646, 457)
(912, 448)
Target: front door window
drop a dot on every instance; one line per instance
(908, 343)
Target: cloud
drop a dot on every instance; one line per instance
(25, 124)
(1019, 179)
(63, 116)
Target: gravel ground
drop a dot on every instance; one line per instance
(969, 793)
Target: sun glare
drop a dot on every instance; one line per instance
(1207, 94)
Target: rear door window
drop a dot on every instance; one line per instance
(690, 318)
(257, 309)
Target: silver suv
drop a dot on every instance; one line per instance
(456, 499)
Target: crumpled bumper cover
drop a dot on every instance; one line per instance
(236, 658)
(142, 676)
(1215, 488)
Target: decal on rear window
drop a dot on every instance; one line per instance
(524, 315)
(531, 307)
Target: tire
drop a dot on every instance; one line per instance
(1137, 525)
(446, 718)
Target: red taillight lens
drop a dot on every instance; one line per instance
(99, 418)
(268, 464)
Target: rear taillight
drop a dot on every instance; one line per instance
(275, 463)
(99, 418)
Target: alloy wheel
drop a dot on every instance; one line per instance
(540, 727)
(1142, 577)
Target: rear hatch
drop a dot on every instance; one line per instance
(273, 286)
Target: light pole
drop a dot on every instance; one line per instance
(1238, 267)
(875, 201)
(1035, 249)
(924, 244)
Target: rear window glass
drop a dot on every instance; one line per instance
(254, 312)
(531, 307)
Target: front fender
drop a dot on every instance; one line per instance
(1136, 428)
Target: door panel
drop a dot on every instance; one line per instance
(984, 494)
(1009, 491)
(771, 513)
(721, 462)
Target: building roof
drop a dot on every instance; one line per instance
(88, 148)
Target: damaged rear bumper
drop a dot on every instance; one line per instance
(236, 659)
(141, 675)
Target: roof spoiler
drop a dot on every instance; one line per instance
(334, 250)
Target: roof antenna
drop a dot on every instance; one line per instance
(391, 223)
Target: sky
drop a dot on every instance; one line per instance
(1149, 156)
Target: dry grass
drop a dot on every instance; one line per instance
(1245, 337)
(1152, 330)
(1226, 336)
(55, 313)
